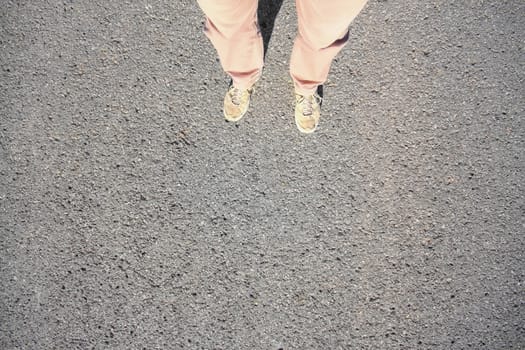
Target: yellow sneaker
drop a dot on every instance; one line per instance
(236, 103)
(307, 112)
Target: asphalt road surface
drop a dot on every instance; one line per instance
(134, 217)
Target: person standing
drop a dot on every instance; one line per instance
(232, 28)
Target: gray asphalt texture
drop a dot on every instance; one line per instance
(134, 217)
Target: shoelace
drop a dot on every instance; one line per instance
(308, 104)
(236, 95)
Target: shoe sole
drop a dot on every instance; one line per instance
(304, 131)
(233, 120)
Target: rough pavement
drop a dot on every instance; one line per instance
(133, 217)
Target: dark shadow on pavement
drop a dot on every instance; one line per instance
(320, 92)
(266, 13)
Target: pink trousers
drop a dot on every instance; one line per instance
(231, 26)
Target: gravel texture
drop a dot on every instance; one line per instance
(134, 217)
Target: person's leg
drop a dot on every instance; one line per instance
(231, 26)
(323, 31)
